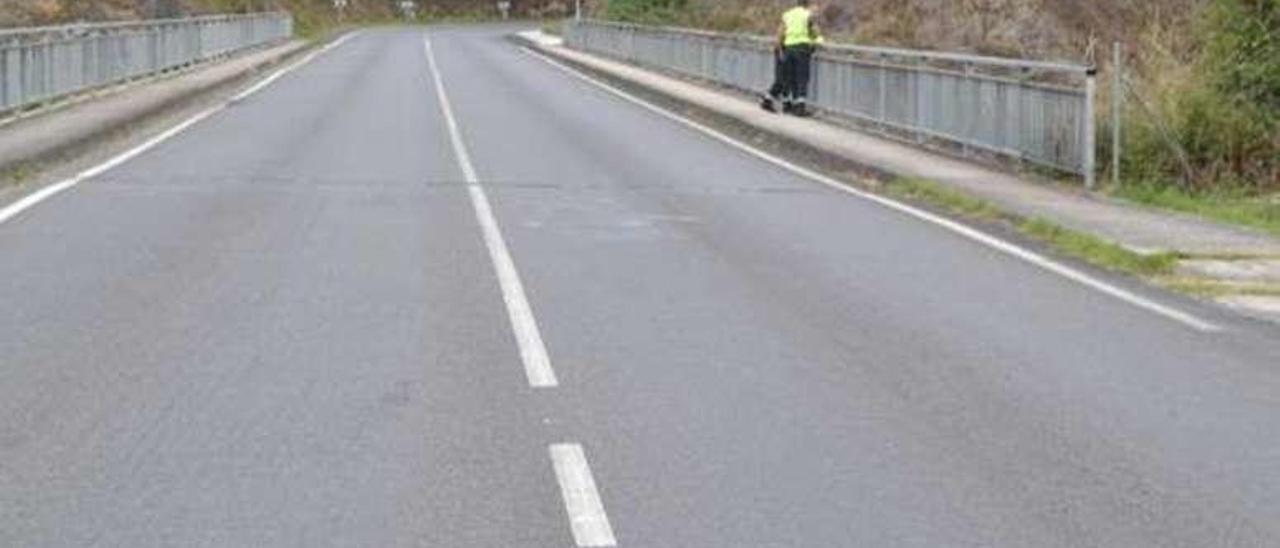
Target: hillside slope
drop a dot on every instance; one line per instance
(309, 12)
(312, 15)
(1029, 28)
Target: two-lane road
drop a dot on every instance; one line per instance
(299, 323)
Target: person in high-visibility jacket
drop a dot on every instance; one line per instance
(798, 36)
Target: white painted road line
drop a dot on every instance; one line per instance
(582, 502)
(27, 202)
(537, 364)
(997, 244)
(276, 76)
(31, 200)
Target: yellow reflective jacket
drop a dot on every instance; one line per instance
(797, 27)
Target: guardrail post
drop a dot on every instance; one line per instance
(1024, 76)
(4, 74)
(967, 112)
(1090, 151)
(23, 93)
(1117, 109)
(46, 70)
(881, 110)
(919, 78)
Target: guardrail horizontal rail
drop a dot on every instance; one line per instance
(1034, 111)
(46, 63)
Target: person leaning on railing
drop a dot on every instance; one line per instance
(798, 36)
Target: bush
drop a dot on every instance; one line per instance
(1242, 67)
(1216, 124)
(1244, 52)
(645, 11)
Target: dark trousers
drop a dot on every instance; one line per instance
(791, 74)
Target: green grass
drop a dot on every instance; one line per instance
(1090, 249)
(17, 175)
(1234, 207)
(1098, 251)
(936, 195)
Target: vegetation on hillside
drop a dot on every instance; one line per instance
(312, 16)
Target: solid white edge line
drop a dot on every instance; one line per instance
(587, 518)
(533, 352)
(31, 200)
(997, 244)
(35, 198)
(279, 73)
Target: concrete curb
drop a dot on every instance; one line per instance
(72, 128)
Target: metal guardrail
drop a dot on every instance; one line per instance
(1032, 111)
(40, 64)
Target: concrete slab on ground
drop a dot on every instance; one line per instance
(1265, 307)
(1242, 271)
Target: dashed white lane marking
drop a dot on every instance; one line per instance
(27, 202)
(997, 244)
(537, 365)
(587, 517)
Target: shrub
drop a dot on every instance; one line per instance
(1226, 115)
(645, 11)
(1244, 52)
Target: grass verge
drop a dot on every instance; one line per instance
(17, 175)
(1238, 208)
(1097, 251)
(939, 196)
(1079, 245)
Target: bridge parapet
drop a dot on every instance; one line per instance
(46, 63)
(1029, 111)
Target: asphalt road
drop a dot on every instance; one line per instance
(287, 326)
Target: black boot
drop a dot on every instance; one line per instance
(799, 109)
(766, 102)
